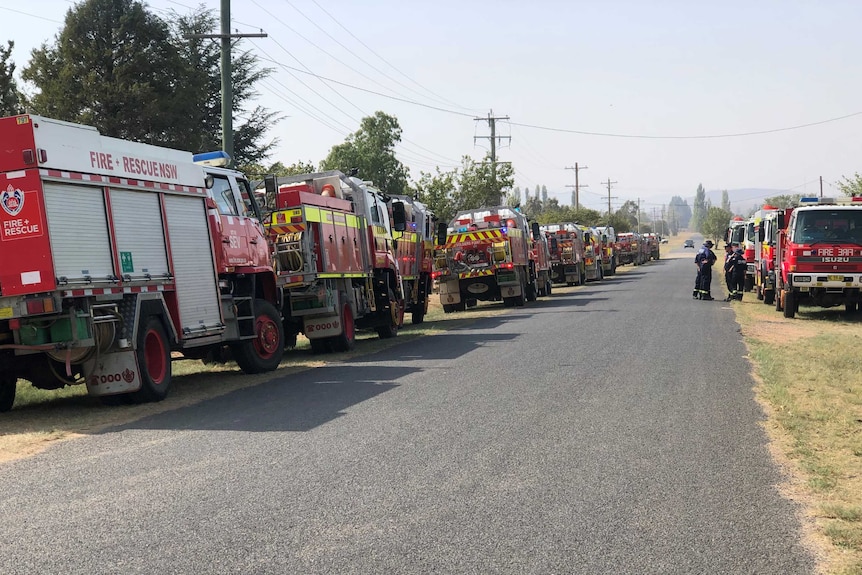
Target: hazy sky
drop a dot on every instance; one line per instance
(670, 70)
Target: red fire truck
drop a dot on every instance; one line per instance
(593, 254)
(113, 254)
(414, 251)
(767, 223)
(484, 255)
(566, 248)
(335, 258)
(819, 255)
(627, 249)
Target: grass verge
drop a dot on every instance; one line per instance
(809, 374)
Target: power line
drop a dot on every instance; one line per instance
(440, 98)
(576, 199)
(698, 137)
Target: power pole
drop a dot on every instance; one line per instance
(639, 215)
(226, 84)
(610, 197)
(577, 186)
(821, 186)
(492, 123)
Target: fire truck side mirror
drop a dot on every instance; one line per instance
(761, 234)
(399, 217)
(536, 232)
(441, 233)
(781, 221)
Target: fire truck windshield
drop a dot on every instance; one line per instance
(818, 226)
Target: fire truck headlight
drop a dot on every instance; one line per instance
(802, 279)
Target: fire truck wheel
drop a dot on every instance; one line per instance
(531, 292)
(390, 328)
(448, 308)
(347, 340)
(768, 296)
(264, 351)
(8, 386)
(749, 283)
(851, 307)
(418, 315)
(154, 361)
(790, 304)
(758, 292)
(548, 287)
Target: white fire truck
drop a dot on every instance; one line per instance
(113, 254)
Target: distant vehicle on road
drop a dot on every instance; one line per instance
(688, 244)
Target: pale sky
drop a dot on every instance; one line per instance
(669, 69)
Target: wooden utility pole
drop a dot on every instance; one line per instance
(610, 197)
(577, 185)
(492, 123)
(226, 71)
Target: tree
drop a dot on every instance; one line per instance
(476, 187)
(437, 191)
(113, 67)
(725, 201)
(851, 186)
(715, 223)
(783, 201)
(10, 99)
(699, 211)
(132, 75)
(544, 194)
(680, 213)
(371, 151)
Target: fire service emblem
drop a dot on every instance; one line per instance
(12, 200)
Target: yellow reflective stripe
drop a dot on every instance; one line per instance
(313, 214)
(352, 221)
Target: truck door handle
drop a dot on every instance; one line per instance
(254, 241)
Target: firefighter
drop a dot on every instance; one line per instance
(739, 267)
(728, 269)
(704, 261)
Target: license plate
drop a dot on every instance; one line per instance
(836, 278)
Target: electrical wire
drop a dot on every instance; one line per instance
(696, 137)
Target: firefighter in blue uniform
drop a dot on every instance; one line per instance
(728, 269)
(704, 261)
(736, 265)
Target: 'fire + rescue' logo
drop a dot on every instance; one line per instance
(12, 200)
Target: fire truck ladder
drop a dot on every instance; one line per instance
(243, 299)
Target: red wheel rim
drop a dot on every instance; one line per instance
(154, 357)
(267, 341)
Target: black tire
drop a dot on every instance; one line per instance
(549, 288)
(347, 340)
(748, 285)
(530, 294)
(8, 387)
(263, 352)
(851, 307)
(389, 329)
(790, 304)
(154, 363)
(449, 308)
(759, 293)
(570, 284)
(768, 296)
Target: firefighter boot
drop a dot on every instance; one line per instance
(707, 297)
(695, 294)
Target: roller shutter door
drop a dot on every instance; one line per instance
(78, 227)
(194, 269)
(140, 235)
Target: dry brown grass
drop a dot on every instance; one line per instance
(809, 374)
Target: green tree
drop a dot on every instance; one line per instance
(113, 67)
(371, 151)
(476, 187)
(783, 201)
(725, 201)
(119, 67)
(680, 213)
(437, 192)
(715, 223)
(544, 194)
(10, 98)
(699, 211)
(851, 186)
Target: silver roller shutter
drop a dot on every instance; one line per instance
(194, 268)
(78, 227)
(139, 232)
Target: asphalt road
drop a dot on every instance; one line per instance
(608, 429)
